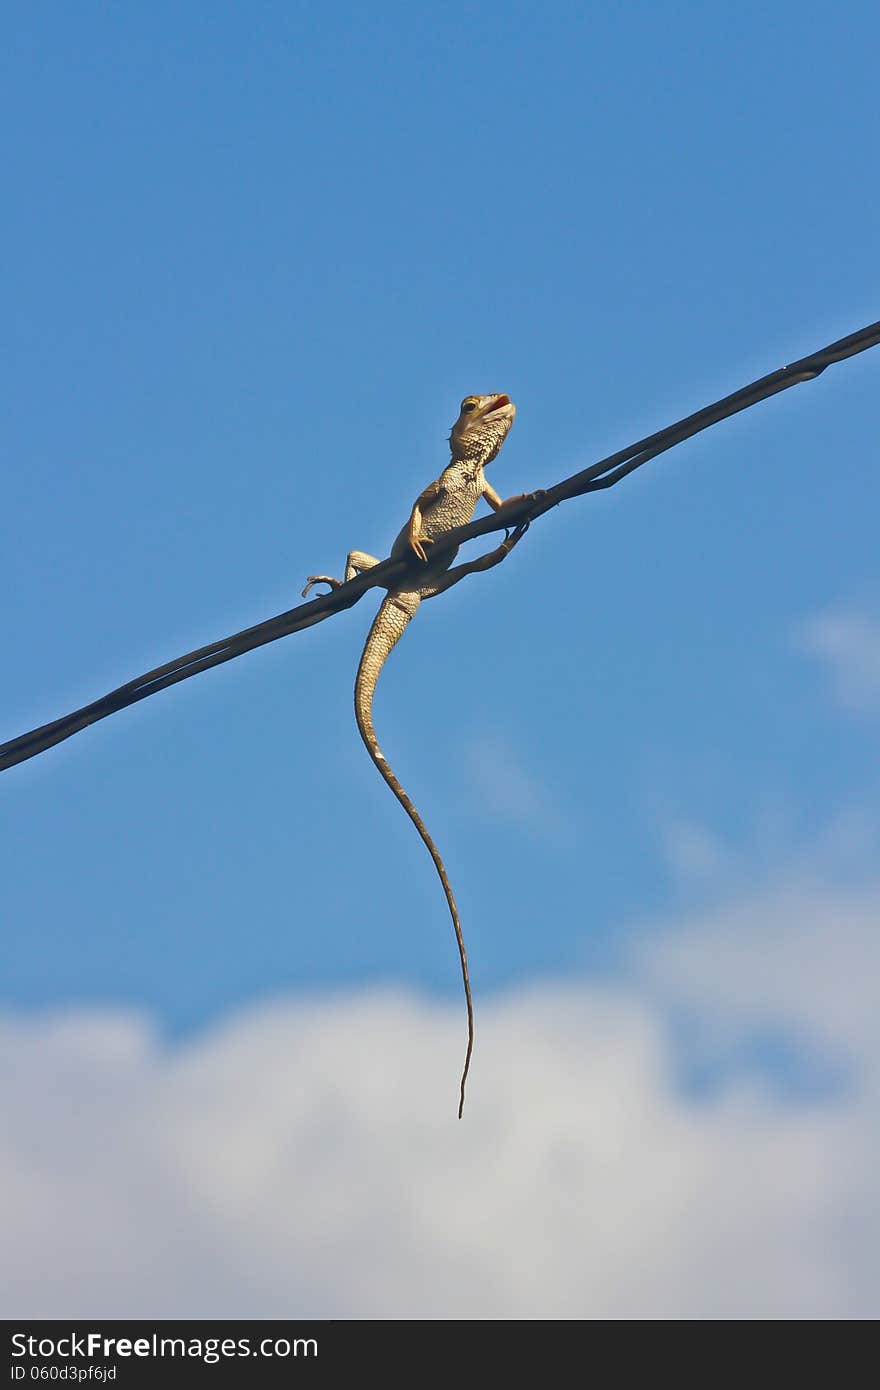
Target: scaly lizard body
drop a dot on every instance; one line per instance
(450, 501)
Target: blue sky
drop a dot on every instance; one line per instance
(255, 256)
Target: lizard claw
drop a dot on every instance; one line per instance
(321, 579)
(418, 544)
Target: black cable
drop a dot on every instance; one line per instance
(603, 474)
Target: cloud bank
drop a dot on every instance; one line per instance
(305, 1160)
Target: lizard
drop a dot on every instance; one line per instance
(450, 501)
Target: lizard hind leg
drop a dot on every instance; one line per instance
(357, 562)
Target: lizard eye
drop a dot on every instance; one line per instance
(468, 404)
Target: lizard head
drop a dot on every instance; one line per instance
(482, 427)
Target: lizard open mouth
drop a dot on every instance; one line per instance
(497, 404)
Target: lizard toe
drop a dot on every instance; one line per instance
(320, 579)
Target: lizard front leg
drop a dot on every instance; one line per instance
(496, 502)
(414, 530)
(357, 562)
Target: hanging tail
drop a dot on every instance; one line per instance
(388, 627)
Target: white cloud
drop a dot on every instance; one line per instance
(801, 953)
(847, 643)
(305, 1158)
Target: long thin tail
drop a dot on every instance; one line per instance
(388, 627)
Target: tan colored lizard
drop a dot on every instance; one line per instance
(448, 502)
